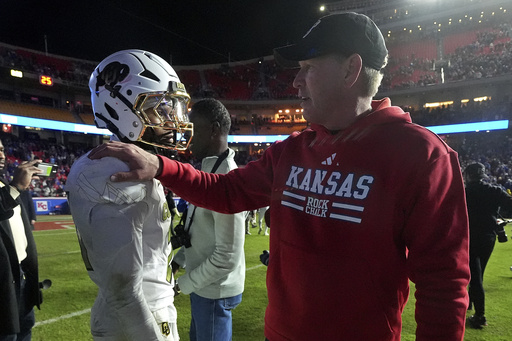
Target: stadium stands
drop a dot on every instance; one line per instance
(36, 111)
(472, 58)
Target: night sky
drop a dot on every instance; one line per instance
(187, 32)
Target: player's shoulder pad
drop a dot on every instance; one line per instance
(91, 180)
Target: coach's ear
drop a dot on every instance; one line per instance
(353, 67)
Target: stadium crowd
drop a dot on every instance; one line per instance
(493, 149)
(489, 55)
(68, 70)
(487, 110)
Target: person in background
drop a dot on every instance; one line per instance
(250, 221)
(261, 220)
(265, 255)
(28, 201)
(19, 271)
(215, 261)
(361, 203)
(484, 202)
(123, 229)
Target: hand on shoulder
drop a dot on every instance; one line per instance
(143, 165)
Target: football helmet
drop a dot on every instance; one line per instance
(138, 96)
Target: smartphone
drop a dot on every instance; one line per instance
(48, 169)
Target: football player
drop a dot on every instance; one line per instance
(123, 229)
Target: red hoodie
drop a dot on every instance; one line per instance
(355, 216)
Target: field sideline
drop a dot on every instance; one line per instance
(65, 312)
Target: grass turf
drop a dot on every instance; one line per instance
(65, 312)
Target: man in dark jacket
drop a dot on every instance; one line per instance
(484, 202)
(28, 202)
(19, 277)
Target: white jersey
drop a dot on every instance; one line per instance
(123, 230)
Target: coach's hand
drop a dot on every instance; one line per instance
(143, 165)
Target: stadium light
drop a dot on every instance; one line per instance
(53, 125)
(267, 139)
(17, 73)
(470, 127)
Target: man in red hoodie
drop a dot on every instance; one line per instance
(361, 203)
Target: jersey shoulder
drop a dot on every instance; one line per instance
(90, 180)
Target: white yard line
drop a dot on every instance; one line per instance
(254, 267)
(85, 311)
(63, 317)
(45, 233)
(57, 254)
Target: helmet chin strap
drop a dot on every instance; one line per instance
(147, 147)
(156, 150)
(152, 138)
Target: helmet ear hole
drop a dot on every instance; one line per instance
(112, 112)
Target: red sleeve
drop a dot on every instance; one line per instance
(437, 237)
(241, 189)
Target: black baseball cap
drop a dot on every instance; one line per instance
(346, 33)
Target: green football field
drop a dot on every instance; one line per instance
(65, 312)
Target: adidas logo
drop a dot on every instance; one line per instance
(329, 160)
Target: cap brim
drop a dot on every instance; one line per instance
(288, 56)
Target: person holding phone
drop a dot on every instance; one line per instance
(19, 269)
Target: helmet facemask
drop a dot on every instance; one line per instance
(164, 117)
